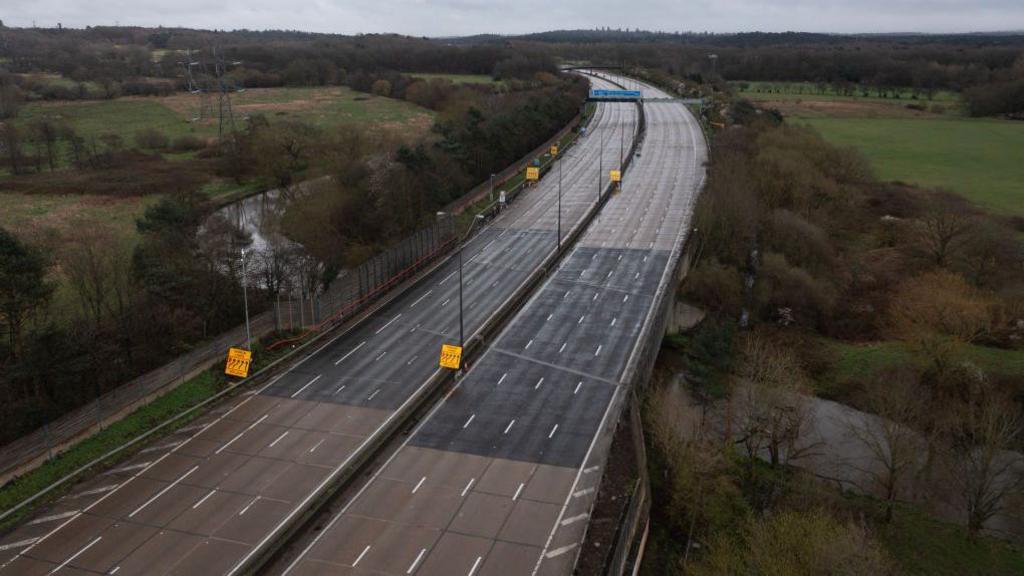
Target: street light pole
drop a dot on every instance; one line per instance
(461, 339)
(462, 244)
(622, 143)
(600, 166)
(558, 242)
(245, 298)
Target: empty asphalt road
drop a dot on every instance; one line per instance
(499, 479)
(205, 499)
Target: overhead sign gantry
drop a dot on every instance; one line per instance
(615, 95)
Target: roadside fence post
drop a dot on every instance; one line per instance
(46, 438)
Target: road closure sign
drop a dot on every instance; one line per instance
(554, 150)
(616, 175)
(532, 173)
(238, 362)
(451, 356)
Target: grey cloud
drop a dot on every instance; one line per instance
(453, 17)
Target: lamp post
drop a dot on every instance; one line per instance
(245, 299)
(462, 244)
(600, 163)
(622, 143)
(558, 232)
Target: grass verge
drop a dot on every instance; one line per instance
(860, 361)
(923, 546)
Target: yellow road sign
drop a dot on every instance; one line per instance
(238, 362)
(554, 150)
(451, 356)
(532, 173)
(616, 175)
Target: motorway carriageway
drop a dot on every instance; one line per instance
(500, 478)
(207, 498)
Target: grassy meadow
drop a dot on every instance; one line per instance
(325, 107)
(926, 142)
(977, 158)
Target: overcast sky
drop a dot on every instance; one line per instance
(462, 17)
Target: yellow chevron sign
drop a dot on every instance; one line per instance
(238, 362)
(451, 356)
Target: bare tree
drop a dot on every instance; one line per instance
(47, 133)
(890, 434)
(10, 146)
(87, 268)
(983, 469)
(10, 98)
(772, 410)
(941, 234)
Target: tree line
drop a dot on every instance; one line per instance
(983, 68)
(107, 62)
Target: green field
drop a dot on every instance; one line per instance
(325, 107)
(858, 362)
(979, 159)
(122, 117)
(458, 78)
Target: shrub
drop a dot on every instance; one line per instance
(188, 144)
(151, 139)
(381, 88)
(716, 286)
(789, 292)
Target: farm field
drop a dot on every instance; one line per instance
(924, 142)
(326, 107)
(977, 158)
